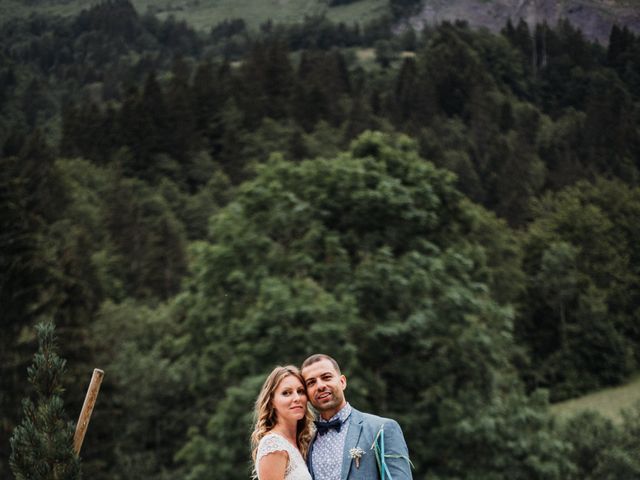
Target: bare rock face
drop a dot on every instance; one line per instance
(594, 17)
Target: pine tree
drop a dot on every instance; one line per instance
(181, 121)
(406, 91)
(42, 445)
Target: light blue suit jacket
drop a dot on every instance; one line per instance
(363, 429)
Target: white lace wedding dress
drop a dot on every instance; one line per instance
(296, 468)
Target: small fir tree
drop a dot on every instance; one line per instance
(42, 445)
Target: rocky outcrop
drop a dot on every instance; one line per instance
(594, 17)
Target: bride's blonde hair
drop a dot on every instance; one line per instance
(264, 415)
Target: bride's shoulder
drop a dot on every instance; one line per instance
(272, 442)
(273, 437)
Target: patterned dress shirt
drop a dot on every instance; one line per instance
(328, 449)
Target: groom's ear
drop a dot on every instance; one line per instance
(343, 382)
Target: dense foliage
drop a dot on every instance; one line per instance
(451, 213)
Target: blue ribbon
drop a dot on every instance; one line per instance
(378, 448)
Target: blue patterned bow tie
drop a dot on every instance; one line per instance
(324, 427)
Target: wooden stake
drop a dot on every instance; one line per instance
(87, 409)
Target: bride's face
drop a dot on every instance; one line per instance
(290, 400)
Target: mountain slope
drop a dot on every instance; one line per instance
(594, 18)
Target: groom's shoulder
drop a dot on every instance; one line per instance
(375, 421)
(372, 424)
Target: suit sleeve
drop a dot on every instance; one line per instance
(395, 445)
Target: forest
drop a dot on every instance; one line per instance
(450, 213)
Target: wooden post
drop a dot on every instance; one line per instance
(87, 408)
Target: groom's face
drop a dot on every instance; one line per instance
(325, 387)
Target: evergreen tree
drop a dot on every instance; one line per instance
(181, 114)
(31, 196)
(403, 8)
(453, 68)
(611, 134)
(266, 82)
(147, 239)
(206, 97)
(21, 268)
(323, 80)
(622, 55)
(42, 445)
(156, 115)
(524, 41)
(562, 146)
(407, 92)
(359, 119)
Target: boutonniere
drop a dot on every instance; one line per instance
(356, 454)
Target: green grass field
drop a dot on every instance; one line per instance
(203, 14)
(609, 402)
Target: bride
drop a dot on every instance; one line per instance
(282, 427)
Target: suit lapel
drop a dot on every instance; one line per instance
(353, 435)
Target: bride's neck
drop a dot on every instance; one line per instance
(287, 430)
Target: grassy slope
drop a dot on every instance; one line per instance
(255, 12)
(609, 402)
(203, 14)
(17, 8)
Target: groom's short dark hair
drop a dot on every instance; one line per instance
(316, 357)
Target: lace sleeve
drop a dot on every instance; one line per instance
(271, 443)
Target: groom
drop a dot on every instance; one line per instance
(341, 449)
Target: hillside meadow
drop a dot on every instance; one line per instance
(204, 14)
